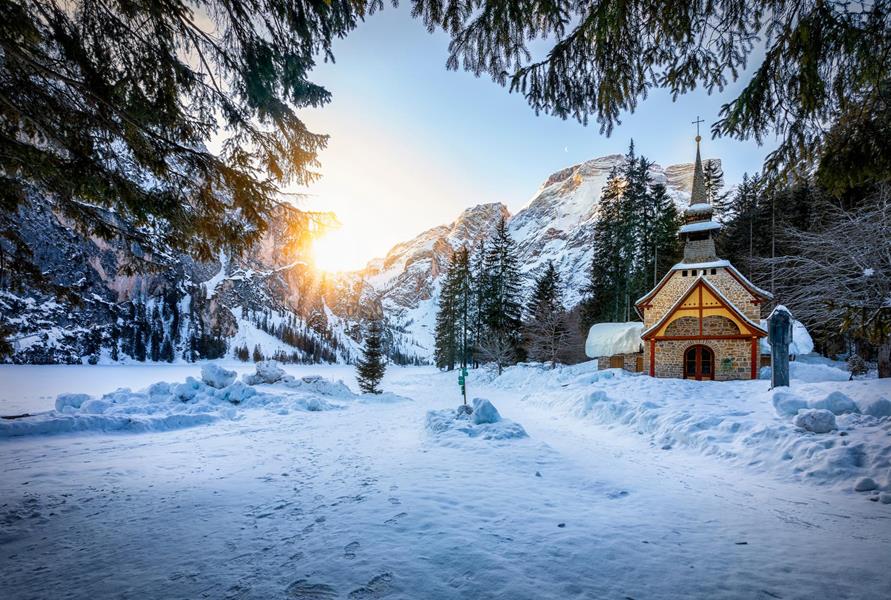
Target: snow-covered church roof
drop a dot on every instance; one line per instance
(607, 339)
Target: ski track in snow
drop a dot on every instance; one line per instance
(362, 503)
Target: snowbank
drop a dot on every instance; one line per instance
(741, 421)
(607, 339)
(806, 372)
(482, 420)
(164, 406)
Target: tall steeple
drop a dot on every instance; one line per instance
(699, 229)
(698, 194)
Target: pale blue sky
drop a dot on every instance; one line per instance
(413, 144)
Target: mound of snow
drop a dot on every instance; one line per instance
(383, 398)
(484, 412)
(876, 407)
(787, 404)
(268, 371)
(807, 372)
(481, 421)
(164, 406)
(837, 403)
(70, 402)
(741, 422)
(316, 384)
(818, 420)
(216, 376)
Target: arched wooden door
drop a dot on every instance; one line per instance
(699, 363)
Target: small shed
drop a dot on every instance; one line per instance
(616, 345)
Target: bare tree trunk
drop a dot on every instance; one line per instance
(885, 358)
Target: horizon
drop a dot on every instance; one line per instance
(412, 157)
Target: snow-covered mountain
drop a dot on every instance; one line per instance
(270, 300)
(557, 225)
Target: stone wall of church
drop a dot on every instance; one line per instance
(733, 358)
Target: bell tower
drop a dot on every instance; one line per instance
(699, 229)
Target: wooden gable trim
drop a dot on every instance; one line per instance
(719, 297)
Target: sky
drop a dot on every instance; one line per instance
(413, 144)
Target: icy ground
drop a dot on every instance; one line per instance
(591, 485)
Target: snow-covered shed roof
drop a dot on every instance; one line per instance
(607, 339)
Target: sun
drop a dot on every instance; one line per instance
(337, 251)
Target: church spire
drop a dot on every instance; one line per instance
(698, 195)
(699, 228)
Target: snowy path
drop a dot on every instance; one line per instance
(362, 503)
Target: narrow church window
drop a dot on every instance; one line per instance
(714, 271)
(683, 273)
(693, 272)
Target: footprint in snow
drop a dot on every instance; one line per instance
(349, 551)
(303, 589)
(395, 519)
(377, 587)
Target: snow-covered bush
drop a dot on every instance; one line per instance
(216, 376)
(817, 420)
(857, 366)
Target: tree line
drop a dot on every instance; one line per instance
(484, 316)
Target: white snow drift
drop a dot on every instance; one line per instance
(164, 406)
(821, 430)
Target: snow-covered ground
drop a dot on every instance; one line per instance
(591, 485)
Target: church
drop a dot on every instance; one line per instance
(702, 320)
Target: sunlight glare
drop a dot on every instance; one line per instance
(337, 251)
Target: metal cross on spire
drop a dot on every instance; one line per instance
(697, 122)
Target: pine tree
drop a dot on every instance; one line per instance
(454, 320)
(545, 328)
(604, 293)
(114, 339)
(107, 108)
(666, 244)
(502, 296)
(258, 354)
(713, 178)
(156, 335)
(371, 367)
(445, 344)
(167, 350)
